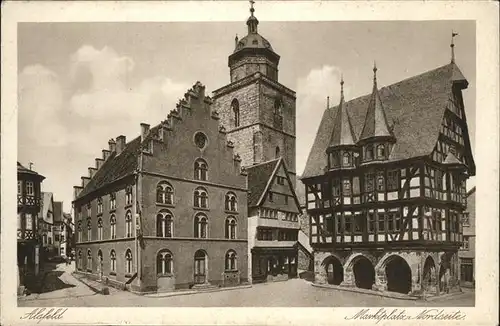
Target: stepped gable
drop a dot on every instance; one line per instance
(258, 177)
(415, 106)
(117, 166)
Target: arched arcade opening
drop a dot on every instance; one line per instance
(364, 273)
(334, 270)
(398, 275)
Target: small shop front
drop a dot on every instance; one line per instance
(274, 264)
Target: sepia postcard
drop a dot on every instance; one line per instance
(250, 162)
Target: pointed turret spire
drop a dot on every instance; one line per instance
(375, 121)
(252, 21)
(452, 46)
(343, 134)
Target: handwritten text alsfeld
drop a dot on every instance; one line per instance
(44, 313)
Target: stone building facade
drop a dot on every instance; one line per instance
(167, 210)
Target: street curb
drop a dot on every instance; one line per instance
(83, 280)
(173, 294)
(364, 291)
(444, 296)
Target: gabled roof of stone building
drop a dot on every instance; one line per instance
(115, 167)
(125, 164)
(415, 107)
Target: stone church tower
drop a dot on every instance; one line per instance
(257, 111)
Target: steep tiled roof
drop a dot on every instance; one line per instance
(23, 169)
(416, 107)
(342, 133)
(115, 167)
(58, 211)
(375, 120)
(258, 177)
(46, 199)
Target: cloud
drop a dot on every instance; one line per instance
(312, 91)
(109, 103)
(40, 102)
(103, 99)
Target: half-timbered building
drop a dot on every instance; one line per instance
(385, 186)
(29, 205)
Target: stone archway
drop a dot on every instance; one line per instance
(398, 274)
(364, 273)
(429, 279)
(334, 270)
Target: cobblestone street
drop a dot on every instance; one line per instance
(61, 289)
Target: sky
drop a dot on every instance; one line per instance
(81, 84)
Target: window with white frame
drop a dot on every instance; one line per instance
(200, 226)
(128, 262)
(89, 260)
(164, 263)
(200, 170)
(231, 261)
(465, 243)
(230, 231)
(89, 229)
(231, 202)
(112, 223)
(165, 193)
(30, 188)
(79, 229)
(200, 198)
(128, 195)
(112, 201)
(89, 209)
(99, 205)
(164, 224)
(128, 224)
(112, 259)
(99, 229)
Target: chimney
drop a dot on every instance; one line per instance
(112, 145)
(144, 131)
(120, 144)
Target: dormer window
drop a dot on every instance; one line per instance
(346, 160)
(334, 159)
(369, 152)
(381, 151)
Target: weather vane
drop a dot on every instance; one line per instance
(251, 6)
(452, 46)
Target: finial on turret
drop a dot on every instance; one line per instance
(452, 46)
(251, 7)
(328, 102)
(342, 86)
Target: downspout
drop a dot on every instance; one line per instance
(137, 215)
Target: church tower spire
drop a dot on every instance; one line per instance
(375, 120)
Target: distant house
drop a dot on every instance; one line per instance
(66, 241)
(467, 252)
(58, 227)
(46, 224)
